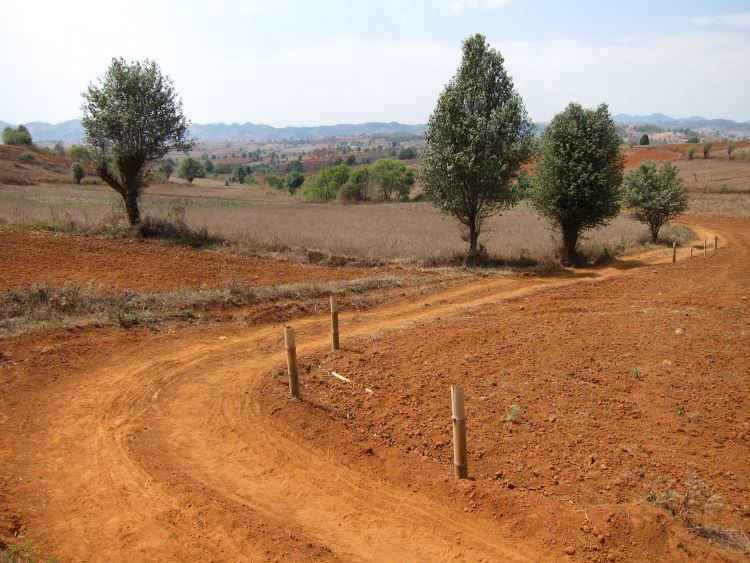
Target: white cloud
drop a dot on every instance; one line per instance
(739, 20)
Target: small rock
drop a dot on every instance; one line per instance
(511, 485)
(586, 529)
(570, 550)
(600, 538)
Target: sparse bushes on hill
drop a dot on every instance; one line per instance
(578, 173)
(655, 194)
(77, 172)
(18, 136)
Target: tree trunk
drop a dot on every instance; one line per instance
(472, 237)
(654, 233)
(131, 206)
(570, 240)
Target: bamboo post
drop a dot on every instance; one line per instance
(291, 362)
(705, 247)
(334, 323)
(460, 463)
(691, 251)
(674, 252)
(716, 244)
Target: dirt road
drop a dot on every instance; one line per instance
(125, 446)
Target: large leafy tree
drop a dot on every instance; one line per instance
(655, 194)
(478, 137)
(578, 173)
(132, 118)
(391, 177)
(19, 136)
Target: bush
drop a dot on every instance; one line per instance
(730, 148)
(325, 184)
(18, 136)
(79, 153)
(275, 181)
(644, 140)
(707, 146)
(189, 169)
(293, 181)
(690, 153)
(28, 155)
(77, 172)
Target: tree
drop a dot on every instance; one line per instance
(189, 169)
(294, 166)
(690, 152)
(293, 181)
(18, 136)
(391, 177)
(655, 194)
(239, 173)
(166, 168)
(357, 187)
(407, 153)
(644, 140)
(707, 146)
(79, 153)
(578, 173)
(59, 149)
(477, 139)
(77, 172)
(208, 166)
(132, 118)
(326, 183)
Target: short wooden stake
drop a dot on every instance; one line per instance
(716, 244)
(691, 251)
(460, 463)
(705, 247)
(334, 323)
(674, 252)
(291, 362)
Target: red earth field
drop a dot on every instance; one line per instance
(179, 442)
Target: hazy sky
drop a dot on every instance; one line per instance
(297, 62)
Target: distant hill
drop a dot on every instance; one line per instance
(72, 131)
(720, 126)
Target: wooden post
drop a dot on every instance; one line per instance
(705, 247)
(291, 362)
(716, 244)
(460, 463)
(691, 251)
(674, 252)
(334, 323)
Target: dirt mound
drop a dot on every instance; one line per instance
(50, 258)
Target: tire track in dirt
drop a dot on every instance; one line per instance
(161, 451)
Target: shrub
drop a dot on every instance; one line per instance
(391, 177)
(189, 169)
(326, 183)
(690, 152)
(28, 155)
(18, 136)
(644, 140)
(77, 172)
(275, 181)
(730, 148)
(293, 181)
(707, 146)
(79, 153)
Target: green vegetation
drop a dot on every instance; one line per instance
(77, 172)
(644, 140)
(707, 146)
(18, 136)
(391, 177)
(325, 185)
(731, 146)
(655, 194)
(513, 413)
(167, 168)
(189, 169)
(690, 152)
(294, 181)
(381, 181)
(132, 118)
(478, 137)
(274, 180)
(79, 153)
(578, 174)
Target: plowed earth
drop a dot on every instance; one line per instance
(37, 257)
(183, 445)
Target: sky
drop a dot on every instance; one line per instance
(314, 62)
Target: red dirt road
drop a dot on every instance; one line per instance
(128, 445)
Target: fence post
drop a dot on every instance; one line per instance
(460, 463)
(334, 323)
(716, 244)
(674, 252)
(691, 251)
(291, 361)
(705, 247)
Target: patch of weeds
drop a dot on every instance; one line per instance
(724, 189)
(513, 413)
(674, 232)
(692, 508)
(28, 155)
(680, 413)
(637, 373)
(25, 552)
(126, 319)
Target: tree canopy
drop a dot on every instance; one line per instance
(132, 117)
(578, 173)
(18, 136)
(478, 137)
(189, 169)
(655, 194)
(391, 177)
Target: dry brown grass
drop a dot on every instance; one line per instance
(257, 220)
